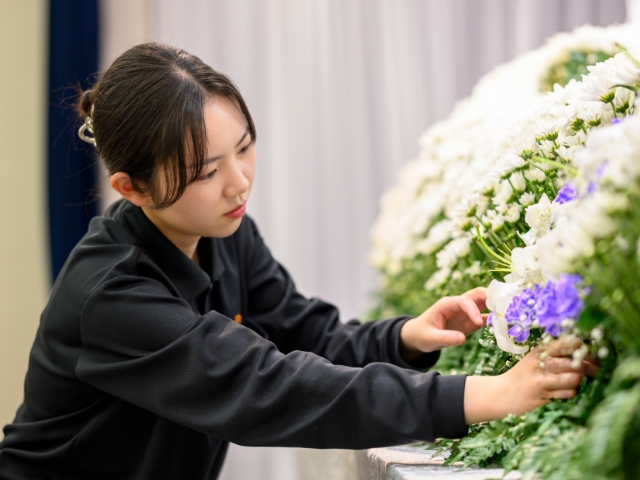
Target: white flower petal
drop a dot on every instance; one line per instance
(503, 339)
(499, 296)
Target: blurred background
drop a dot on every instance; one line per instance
(340, 91)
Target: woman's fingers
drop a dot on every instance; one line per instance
(479, 296)
(590, 367)
(447, 338)
(560, 365)
(555, 363)
(558, 394)
(470, 307)
(458, 313)
(562, 381)
(563, 347)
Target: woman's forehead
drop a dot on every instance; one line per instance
(224, 122)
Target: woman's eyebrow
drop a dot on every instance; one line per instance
(244, 135)
(213, 159)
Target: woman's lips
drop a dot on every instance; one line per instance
(237, 212)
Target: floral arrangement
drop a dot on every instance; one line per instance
(421, 214)
(540, 200)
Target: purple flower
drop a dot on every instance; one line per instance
(520, 314)
(549, 306)
(594, 184)
(616, 121)
(568, 301)
(552, 324)
(567, 193)
(546, 301)
(557, 302)
(546, 310)
(519, 332)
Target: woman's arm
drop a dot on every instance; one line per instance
(147, 347)
(294, 322)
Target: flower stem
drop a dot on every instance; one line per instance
(556, 164)
(631, 57)
(489, 251)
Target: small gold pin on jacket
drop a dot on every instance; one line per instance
(238, 318)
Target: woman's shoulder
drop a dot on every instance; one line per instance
(109, 247)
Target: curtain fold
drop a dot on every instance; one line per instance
(73, 60)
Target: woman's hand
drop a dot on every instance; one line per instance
(542, 375)
(447, 323)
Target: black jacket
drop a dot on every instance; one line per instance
(145, 365)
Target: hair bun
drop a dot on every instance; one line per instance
(83, 106)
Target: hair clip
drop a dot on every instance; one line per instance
(87, 126)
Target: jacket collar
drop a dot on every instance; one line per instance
(189, 279)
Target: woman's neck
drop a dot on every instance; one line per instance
(187, 243)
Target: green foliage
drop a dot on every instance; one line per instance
(542, 441)
(405, 294)
(610, 446)
(572, 67)
(618, 296)
(479, 355)
(594, 436)
(611, 442)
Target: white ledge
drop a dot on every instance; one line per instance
(392, 463)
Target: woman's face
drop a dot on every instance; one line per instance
(214, 204)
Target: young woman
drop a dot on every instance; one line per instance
(172, 331)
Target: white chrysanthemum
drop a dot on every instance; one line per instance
(534, 174)
(527, 199)
(508, 163)
(512, 214)
(464, 159)
(518, 182)
(497, 222)
(582, 222)
(437, 236)
(540, 215)
(504, 193)
(449, 255)
(474, 269)
(437, 279)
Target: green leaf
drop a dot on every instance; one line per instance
(590, 317)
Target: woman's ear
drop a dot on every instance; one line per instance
(121, 183)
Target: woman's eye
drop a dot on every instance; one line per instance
(209, 175)
(245, 148)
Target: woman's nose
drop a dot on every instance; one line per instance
(237, 182)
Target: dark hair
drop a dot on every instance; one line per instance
(148, 117)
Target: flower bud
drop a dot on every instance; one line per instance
(596, 334)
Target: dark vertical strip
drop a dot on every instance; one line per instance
(73, 60)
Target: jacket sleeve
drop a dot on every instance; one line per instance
(294, 322)
(147, 347)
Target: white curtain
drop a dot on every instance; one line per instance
(340, 91)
